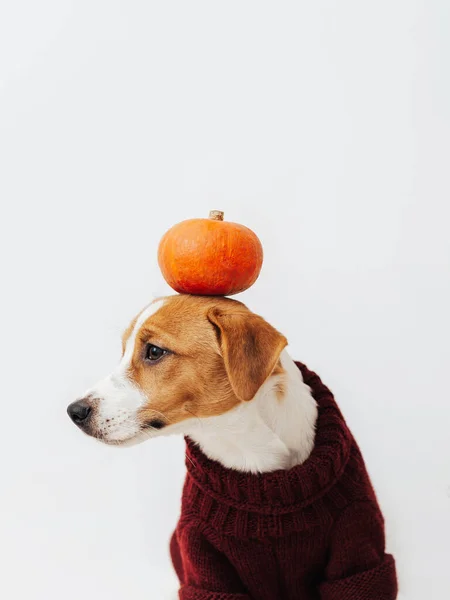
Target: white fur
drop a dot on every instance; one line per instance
(265, 434)
(117, 398)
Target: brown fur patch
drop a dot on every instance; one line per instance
(280, 390)
(219, 353)
(280, 386)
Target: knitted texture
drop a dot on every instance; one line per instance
(190, 593)
(314, 532)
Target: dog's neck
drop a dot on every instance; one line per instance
(273, 431)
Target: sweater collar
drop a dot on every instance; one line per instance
(284, 491)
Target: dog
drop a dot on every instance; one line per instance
(277, 503)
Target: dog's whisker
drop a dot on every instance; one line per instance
(190, 460)
(194, 415)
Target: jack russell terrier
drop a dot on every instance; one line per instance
(277, 503)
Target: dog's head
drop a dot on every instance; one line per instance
(184, 358)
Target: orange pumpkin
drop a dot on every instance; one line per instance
(210, 257)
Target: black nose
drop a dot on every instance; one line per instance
(79, 411)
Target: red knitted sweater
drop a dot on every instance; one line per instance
(314, 532)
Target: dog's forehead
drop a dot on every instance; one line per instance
(166, 313)
(177, 315)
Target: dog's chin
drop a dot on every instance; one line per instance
(126, 442)
(143, 432)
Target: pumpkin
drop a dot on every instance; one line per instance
(210, 257)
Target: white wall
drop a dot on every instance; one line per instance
(325, 127)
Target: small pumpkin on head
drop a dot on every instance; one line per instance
(210, 257)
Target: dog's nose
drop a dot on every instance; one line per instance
(79, 411)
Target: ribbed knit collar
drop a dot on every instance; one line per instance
(285, 491)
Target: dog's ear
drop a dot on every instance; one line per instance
(250, 348)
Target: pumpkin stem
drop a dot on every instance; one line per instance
(216, 215)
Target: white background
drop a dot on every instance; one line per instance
(325, 127)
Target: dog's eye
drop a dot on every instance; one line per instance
(154, 352)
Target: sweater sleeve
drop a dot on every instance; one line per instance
(204, 572)
(358, 568)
